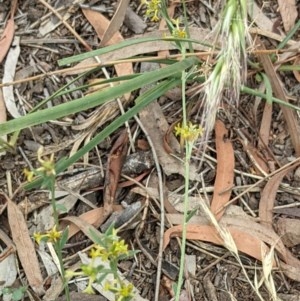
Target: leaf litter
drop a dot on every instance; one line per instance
(226, 163)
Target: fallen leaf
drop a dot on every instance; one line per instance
(245, 242)
(265, 126)
(289, 231)
(6, 38)
(9, 31)
(94, 217)
(259, 18)
(25, 247)
(268, 196)
(3, 117)
(100, 24)
(84, 226)
(9, 73)
(290, 115)
(137, 49)
(255, 157)
(241, 227)
(289, 13)
(296, 72)
(225, 170)
(115, 22)
(115, 163)
(156, 126)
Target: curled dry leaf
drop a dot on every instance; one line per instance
(224, 177)
(101, 24)
(248, 236)
(289, 13)
(9, 73)
(94, 217)
(6, 38)
(25, 247)
(9, 31)
(296, 72)
(268, 195)
(289, 114)
(116, 22)
(113, 171)
(245, 242)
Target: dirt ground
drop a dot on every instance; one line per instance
(256, 139)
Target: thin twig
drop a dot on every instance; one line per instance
(162, 208)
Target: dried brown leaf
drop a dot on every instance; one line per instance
(6, 39)
(115, 22)
(25, 247)
(290, 115)
(296, 72)
(9, 31)
(289, 13)
(249, 228)
(265, 126)
(259, 18)
(245, 242)
(256, 157)
(136, 49)
(288, 229)
(113, 171)
(94, 217)
(100, 24)
(156, 126)
(268, 195)
(84, 226)
(224, 177)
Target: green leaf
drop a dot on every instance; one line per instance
(121, 45)
(95, 99)
(268, 86)
(141, 102)
(64, 238)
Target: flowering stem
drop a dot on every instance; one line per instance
(57, 245)
(186, 182)
(185, 216)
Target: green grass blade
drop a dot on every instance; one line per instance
(264, 96)
(269, 91)
(95, 99)
(141, 102)
(129, 42)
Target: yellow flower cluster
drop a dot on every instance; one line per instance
(111, 249)
(177, 31)
(52, 235)
(189, 132)
(122, 292)
(153, 8)
(47, 166)
(114, 250)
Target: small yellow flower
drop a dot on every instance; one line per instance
(177, 31)
(29, 174)
(70, 274)
(189, 133)
(126, 290)
(47, 165)
(38, 237)
(89, 289)
(153, 9)
(54, 235)
(119, 248)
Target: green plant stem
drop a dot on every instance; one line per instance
(186, 182)
(62, 269)
(185, 217)
(57, 245)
